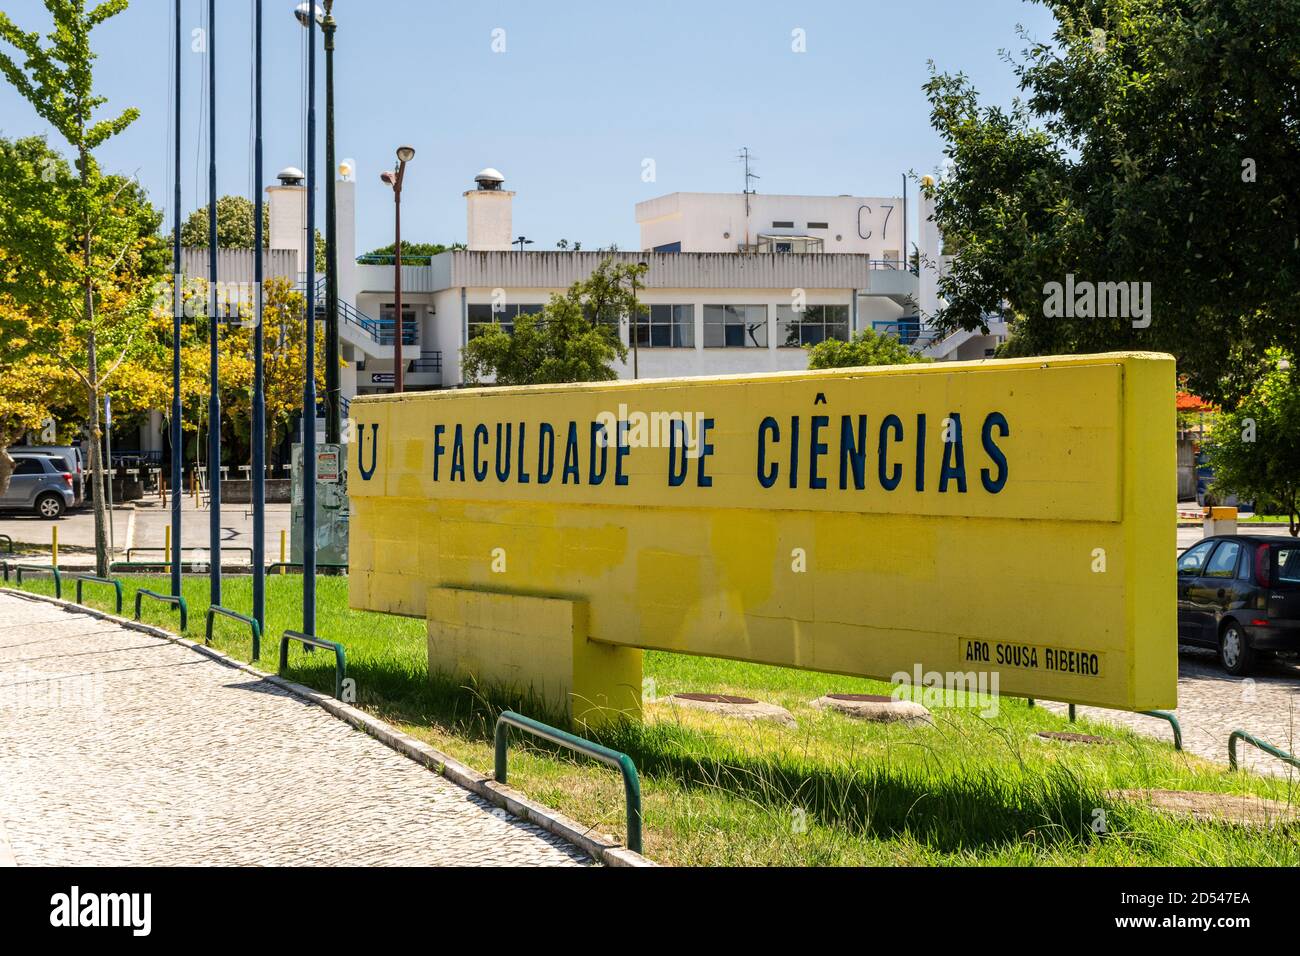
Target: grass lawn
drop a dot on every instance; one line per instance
(971, 789)
(1269, 519)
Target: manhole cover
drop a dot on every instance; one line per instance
(742, 708)
(861, 698)
(1070, 738)
(716, 699)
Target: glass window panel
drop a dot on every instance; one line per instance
(684, 326)
(1224, 562)
(1192, 561)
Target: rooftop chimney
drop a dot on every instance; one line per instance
(490, 216)
(287, 215)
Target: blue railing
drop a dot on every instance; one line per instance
(380, 330)
(909, 332)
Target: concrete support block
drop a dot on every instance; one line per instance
(536, 644)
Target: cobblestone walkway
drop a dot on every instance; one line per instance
(1212, 704)
(119, 748)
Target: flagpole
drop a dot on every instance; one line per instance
(178, 286)
(309, 383)
(259, 399)
(214, 398)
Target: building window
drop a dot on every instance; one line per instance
(816, 323)
(386, 312)
(819, 225)
(667, 327)
(735, 326)
(782, 224)
(669, 247)
(481, 316)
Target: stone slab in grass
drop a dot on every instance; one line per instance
(744, 708)
(1244, 810)
(1069, 737)
(875, 707)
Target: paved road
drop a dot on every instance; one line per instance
(119, 748)
(1212, 704)
(145, 526)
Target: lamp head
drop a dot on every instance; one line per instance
(388, 177)
(304, 10)
(406, 153)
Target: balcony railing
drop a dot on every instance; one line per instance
(907, 331)
(381, 331)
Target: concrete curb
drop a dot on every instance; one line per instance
(599, 846)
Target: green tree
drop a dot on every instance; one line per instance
(235, 215)
(1255, 448)
(415, 250)
(1155, 141)
(285, 336)
(40, 389)
(575, 338)
(57, 79)
(866, 347)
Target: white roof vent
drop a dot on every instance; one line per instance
(291, 176)
(489, 179)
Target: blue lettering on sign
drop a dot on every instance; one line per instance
(368, 473)
(781, 453)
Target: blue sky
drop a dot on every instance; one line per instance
(584, 92)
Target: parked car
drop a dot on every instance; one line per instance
(1240, 594)
(40, 483)
(71, 455)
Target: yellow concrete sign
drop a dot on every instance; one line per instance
(1010, 517)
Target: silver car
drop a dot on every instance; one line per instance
(39, 483)
(72, 461)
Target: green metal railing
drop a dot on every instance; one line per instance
(18, 570)
(92, 579)
(1162, 715)
(253, 626)
(297, 565)
(167, 560)
(175, 600)
(9, 543)
(1030, 702)
(1173, 722)
(1261, 744)
(620, 761)
(137, 565)
(340, 657)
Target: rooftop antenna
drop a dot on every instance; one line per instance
(745, 156)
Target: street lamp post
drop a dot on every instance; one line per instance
(333, 403)
(404, 155)
(332, 395)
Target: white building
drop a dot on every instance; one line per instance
(735, 283)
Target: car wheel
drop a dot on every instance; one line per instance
(49, 506)
(1235, 652)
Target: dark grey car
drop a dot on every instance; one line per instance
(1240, 594)
(39, 483)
